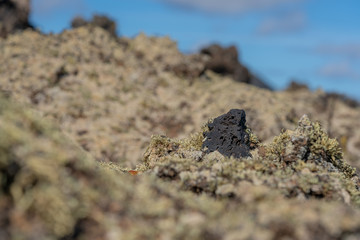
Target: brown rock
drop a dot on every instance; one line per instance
(97, 20)
(225, 62)
(14, 16)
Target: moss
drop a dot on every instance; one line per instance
(329, 148)
(309, 143)
(42, 171)
(51, 185)
(254, 140)
(195, 141)
(276, 149)
(159, 147)
(293, 165)
(113, 166)
(52, 189)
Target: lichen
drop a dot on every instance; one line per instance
(52, 189)
(37, 164)
(161, 146)
(110, 95)
(309, 143)
(254, 140)
(113, 166)
(195, 141)
(276, 149)
(293, 165)
(57, 182)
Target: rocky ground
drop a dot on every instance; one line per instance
(111, 95)
(82, 154)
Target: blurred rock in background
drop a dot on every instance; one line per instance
(14, 16)
(224, 61)
(97, 20)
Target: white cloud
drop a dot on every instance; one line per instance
(229, 6)
(338, 70)
(290, 22)
(351, 50)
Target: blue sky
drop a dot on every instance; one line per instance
(313, 41)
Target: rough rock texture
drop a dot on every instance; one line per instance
(225, 62)
(110, 96)
(227, 135)
(53, 189)
(101, 21)
(14, 16)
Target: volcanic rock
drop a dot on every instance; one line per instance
(98, 21)
(227, 134)
(225, 61)
(78, 22)
(296, 86)
(14, 15)
(301, 164)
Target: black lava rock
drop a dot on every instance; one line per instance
(224, 61)
(227, 134)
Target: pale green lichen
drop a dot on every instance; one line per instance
(276, 149)
(254, 140)
(37, 162)
(329, 148)
(294, 164)
(59, 192)
(161, 146)
(50, 184)
(309, 143)
(195, 141)
(113, 166)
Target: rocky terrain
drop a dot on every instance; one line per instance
(110, 95)
(103, 138)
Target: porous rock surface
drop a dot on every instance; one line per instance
(227, 135)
